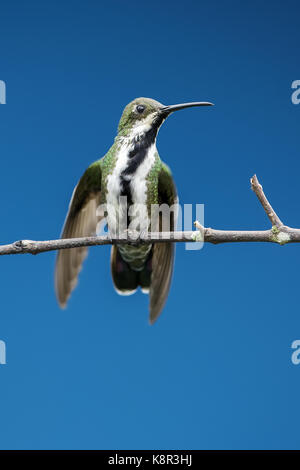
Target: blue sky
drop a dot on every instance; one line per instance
(215, 371)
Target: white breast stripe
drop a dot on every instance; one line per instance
(113, 186)
(138, 184)
(138, 187)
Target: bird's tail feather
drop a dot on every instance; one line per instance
(125, 279)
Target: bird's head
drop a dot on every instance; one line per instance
(144, 115)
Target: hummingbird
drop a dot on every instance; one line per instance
(131, 169)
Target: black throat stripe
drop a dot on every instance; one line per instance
(138, 153)
(136, 157)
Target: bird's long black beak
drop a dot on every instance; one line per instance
(166, 110)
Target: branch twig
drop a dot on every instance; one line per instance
(257, 188)
(279, 233)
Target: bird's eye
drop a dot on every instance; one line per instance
(140, 108)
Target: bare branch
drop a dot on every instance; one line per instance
(279, 233)
(257, 188)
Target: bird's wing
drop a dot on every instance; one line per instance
(81, 221)
(163, 253)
